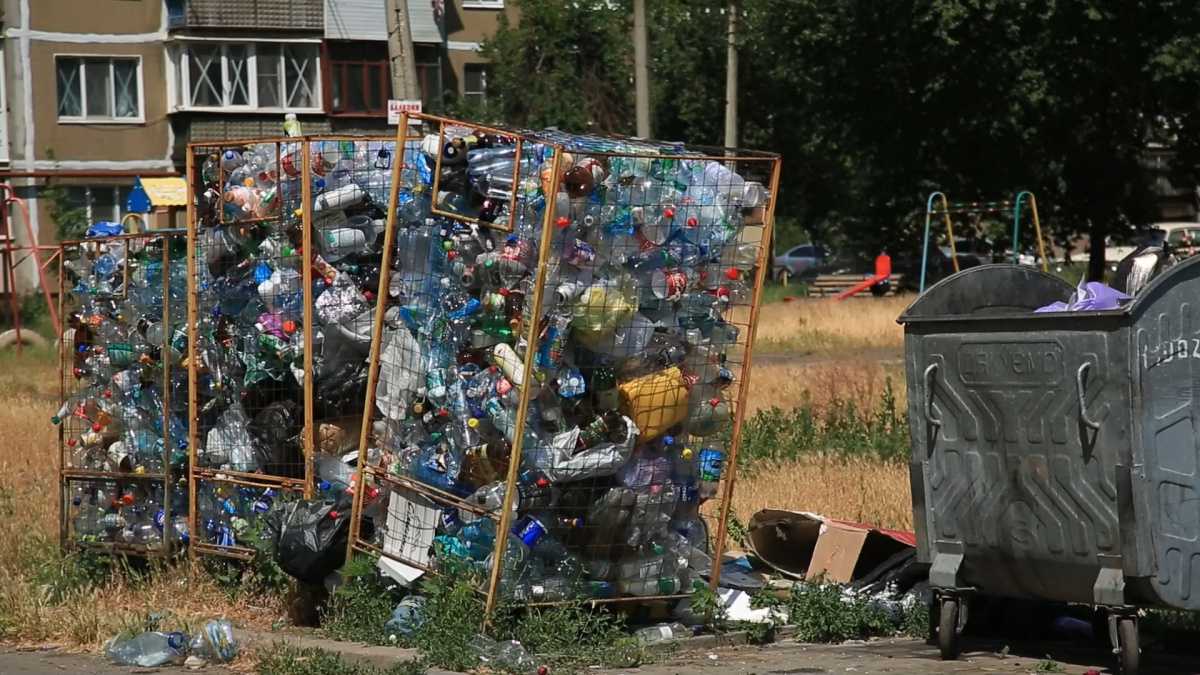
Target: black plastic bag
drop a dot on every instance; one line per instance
(308, 538)
(277, 440)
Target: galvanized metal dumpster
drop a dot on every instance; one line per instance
(1055, 455)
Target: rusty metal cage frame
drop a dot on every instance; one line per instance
(366, 473)
(70, 476)
(299, 486)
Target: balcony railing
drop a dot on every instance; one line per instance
(250, 14)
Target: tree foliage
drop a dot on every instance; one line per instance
(873, 105)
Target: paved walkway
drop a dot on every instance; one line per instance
(893, 657)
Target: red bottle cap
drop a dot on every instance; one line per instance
(108, 393)
(96, 426)
(714, 401)
(562, 221)
(731, 273)
(449, 255)
(669, 212)
(691, 222)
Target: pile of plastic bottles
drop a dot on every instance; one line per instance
(643, 271)
(123, 422)
(252, 338)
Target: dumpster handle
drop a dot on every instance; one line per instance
(929, 418)
(1095, 426)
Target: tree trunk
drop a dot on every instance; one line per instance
(1098, 232)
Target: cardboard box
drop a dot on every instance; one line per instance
(805, 545)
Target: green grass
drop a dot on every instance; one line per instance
(775, 292)
(568, 637)
(845, 428)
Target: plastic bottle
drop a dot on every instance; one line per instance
(146, 650)
(406, 618)
(662, 633)
(214, 642)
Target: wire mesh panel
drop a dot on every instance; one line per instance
(286, 269)
(557, 399)
(122, 425)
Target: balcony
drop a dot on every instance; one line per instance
(246, 14)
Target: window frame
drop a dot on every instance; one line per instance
(89, 192)
(182, 56)
(483, 4)
(140, 83)
(482, 68)
(329, 64)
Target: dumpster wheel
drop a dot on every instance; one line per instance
(948, 629)
(1129, 645)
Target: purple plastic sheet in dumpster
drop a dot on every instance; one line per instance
(1090, 296)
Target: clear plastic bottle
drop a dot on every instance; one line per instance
(146, 650)
(662, 633)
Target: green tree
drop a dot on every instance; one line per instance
(563, 64)
(874, 105)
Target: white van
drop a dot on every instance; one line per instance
(1184, 237)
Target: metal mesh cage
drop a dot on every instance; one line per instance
(121, 423)
(561, 359)
(285, 234)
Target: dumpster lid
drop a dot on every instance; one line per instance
(988, 290)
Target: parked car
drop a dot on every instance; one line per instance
(802, 263)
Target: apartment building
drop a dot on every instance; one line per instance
(94, 93)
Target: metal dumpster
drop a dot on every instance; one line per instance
(1055, 455)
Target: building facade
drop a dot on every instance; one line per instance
(95, 93)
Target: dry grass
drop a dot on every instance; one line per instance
(788, 386)
(858, 489)
(811, 326)
(38, 601)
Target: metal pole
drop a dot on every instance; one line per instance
(641, 74)
(400, 50)
(731, 80)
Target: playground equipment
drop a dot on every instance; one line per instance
(980, 208)
(883, 274)
(15, 255)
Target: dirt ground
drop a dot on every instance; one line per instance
(893, 657)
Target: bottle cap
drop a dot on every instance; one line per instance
(669, 212)
(691, 221)
(731, 273)
(562, 221)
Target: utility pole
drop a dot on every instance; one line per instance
(641, 76)
(400, 51)
(731, 80)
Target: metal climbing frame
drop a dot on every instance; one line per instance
(16, 255)
(282, 277)
(558, 388)
(981, 207)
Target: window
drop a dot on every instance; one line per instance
(99, 89)
(250, 76)
(475, 83)
(359, 79)
(801, 252)
(429, 77)
(103, 203)
(483, 4)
